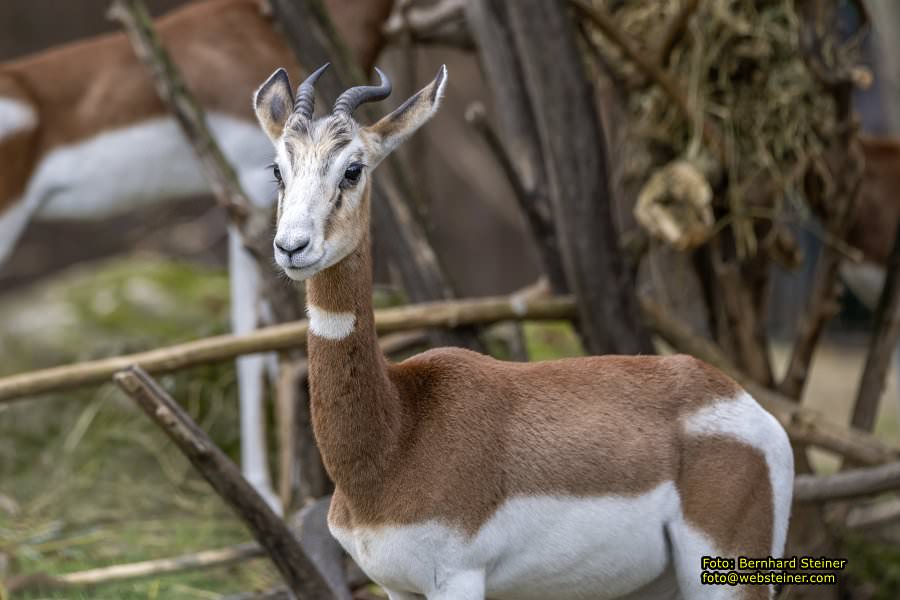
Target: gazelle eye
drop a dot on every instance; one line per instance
(352, 175)
(276, 173)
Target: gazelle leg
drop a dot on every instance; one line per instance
(727, 512)
(688, 546)
(245, 285)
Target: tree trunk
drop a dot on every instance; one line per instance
(553, 94)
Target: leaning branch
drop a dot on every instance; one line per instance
(442, 23)
(281, 545)
(886, 331)
(849, 484)
(450, 313)
(206, 559)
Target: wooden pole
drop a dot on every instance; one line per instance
(849, 484)
(881, 346)
(206, 559)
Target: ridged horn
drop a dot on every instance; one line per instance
(306, 93)
(352, 98)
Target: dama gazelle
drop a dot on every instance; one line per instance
(83, 136)
(461, 477)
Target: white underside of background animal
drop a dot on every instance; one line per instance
(148, 163)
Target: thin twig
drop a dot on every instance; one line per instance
(849, 484)
(195, 561)
(536, 210)
(882, 345)
(441, 23)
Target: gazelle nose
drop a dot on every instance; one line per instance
(293, 246)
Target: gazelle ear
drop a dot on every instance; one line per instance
(392, 130)
(273, 103)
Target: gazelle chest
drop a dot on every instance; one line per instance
(532, 547)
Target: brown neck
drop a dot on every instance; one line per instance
(355, 409)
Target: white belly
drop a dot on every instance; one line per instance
(142, 164)
(533, 548)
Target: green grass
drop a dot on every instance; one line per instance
(551, 339)
(87, 480)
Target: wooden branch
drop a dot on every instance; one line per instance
(299, 572)
(882, 345)
(288, 386)
(574, 152)
(253, 223)
(451, 313)
(279, 593)
(802, 425)
(822, 307)
(537, 211)
(503, 73)
(172, 90)
(847, 174)
(654, 72)
(442, 23)
(849, 484)
(207, 559)
(874, 515)
(310, 524)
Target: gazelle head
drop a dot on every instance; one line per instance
(323, 166)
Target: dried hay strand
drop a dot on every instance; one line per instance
(741, 71)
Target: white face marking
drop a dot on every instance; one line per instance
(745, 420)
(579, 548)
(15, 116)
(311, 196)
(330, 325)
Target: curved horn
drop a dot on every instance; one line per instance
(306, 95)
(349, 100)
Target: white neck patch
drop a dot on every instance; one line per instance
(15, 116)
(330, 325)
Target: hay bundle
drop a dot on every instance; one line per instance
(741, 96)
